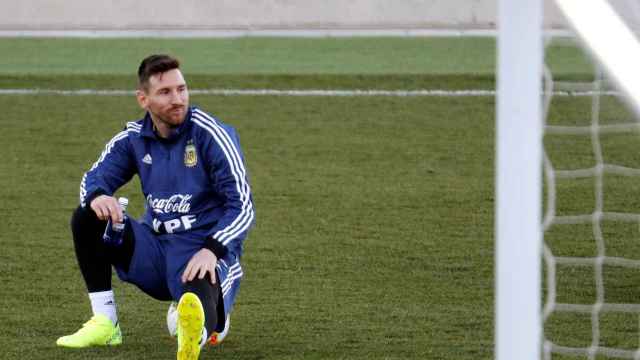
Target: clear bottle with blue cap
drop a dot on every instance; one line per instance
(114, 232)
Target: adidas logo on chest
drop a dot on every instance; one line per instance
(147, 159)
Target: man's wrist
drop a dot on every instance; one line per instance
(94, 195)
(215, 247)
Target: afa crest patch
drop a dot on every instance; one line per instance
(190, 154)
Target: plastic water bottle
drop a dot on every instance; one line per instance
(114, 232)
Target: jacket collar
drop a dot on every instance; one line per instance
(148, 128)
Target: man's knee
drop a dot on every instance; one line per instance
(84, 218)
(203, 286)
(87, 232)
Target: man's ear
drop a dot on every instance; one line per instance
(141, 96)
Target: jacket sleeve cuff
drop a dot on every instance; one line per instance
(216, 247)
(93, 195)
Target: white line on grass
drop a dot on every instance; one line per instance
(253, 32)
(273, 92)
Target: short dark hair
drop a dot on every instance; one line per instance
(155, 64)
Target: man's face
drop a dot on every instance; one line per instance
(166, 98)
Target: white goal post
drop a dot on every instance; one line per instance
(518, 180)
(519, 152)
(610, 41)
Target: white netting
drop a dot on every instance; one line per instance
(591, 222)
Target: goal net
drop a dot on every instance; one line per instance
(589, 240)
(591, 222)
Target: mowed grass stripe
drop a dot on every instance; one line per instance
(473, 56)
(346, 56)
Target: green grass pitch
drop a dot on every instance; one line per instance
(374, 234)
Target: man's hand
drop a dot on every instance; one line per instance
(201, 263)
(107, 207)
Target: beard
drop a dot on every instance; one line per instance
(173, 117)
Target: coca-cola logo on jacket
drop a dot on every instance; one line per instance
(178, 203)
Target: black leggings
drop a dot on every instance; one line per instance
(210, 296)
(95, 260)
(94, 257)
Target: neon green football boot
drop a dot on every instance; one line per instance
(190, 326)
(98, 331)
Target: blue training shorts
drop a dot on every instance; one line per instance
(159, 260)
